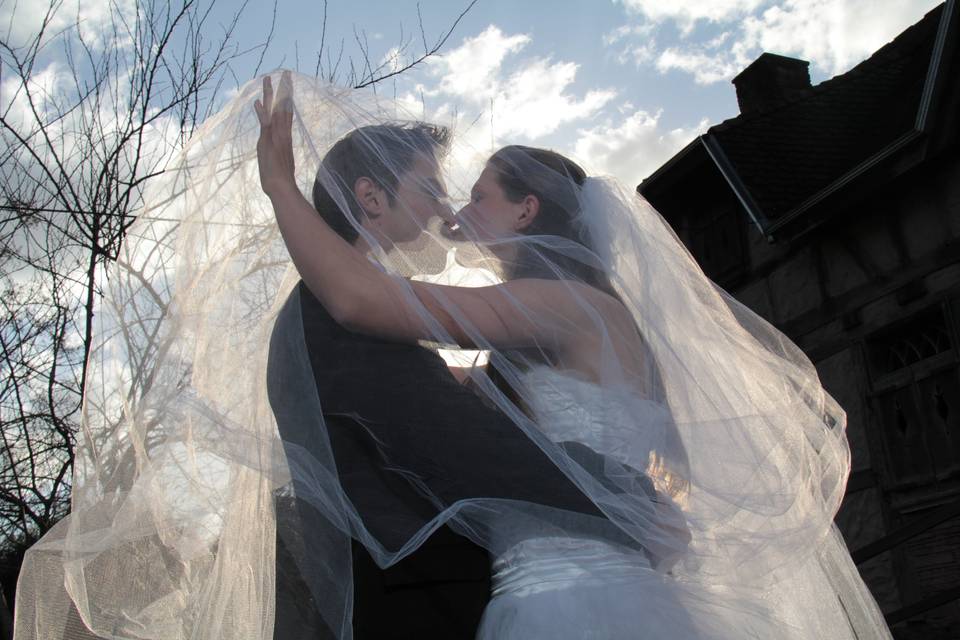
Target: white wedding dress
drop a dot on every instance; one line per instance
(563, 587)
(576, 588)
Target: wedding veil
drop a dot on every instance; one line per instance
(721, 455)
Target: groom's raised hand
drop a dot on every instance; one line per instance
(275, 145)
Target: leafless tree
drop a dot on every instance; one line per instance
(80, 141)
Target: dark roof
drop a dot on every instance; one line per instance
(786, 154)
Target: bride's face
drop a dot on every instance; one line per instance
(489, 215)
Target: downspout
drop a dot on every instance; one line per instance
(723, 164)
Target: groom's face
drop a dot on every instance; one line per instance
(420, 196)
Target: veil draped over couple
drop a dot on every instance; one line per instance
(497, 351)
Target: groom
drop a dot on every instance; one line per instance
(393, 409)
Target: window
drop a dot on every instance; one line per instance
(917, 396)
(925, 336)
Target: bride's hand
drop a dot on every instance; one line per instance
(275, 145)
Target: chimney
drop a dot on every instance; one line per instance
(771, 80)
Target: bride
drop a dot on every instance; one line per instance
(722, 459)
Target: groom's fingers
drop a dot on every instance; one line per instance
(263, 107)
(282, 115)
(285, 92)
(268, 93)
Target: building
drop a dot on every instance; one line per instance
(834, 212)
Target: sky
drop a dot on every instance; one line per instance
(619, 85)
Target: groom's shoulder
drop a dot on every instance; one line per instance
(318, 325)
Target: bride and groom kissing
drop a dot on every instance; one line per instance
(405, 440)
(642, 456)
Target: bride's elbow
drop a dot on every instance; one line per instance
(349, 314)
(362, 314)
(342, 304)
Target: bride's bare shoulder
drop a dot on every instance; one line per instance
(593, 311)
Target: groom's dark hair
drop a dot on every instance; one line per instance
(380, 152)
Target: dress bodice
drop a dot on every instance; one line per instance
(614, 421)
(542, 564)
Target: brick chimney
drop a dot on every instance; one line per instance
(771, 80)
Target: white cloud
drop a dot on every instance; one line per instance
(688, 12)
(632, 149)
(491, 94)
(392, 61)
(832, 34)
(72, 131)
(505, 97)
(23, 20)
(637, 42)
(534, 102)
(471, 70)
(704, 67)
(629, 31)
(46, 85)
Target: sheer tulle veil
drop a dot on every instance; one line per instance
(182, 482)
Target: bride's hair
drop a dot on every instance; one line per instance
(380, 152)
(555, 180)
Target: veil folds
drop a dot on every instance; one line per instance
(713, 447)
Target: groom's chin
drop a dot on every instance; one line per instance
(425, 254)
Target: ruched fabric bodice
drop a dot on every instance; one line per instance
(574, 588)
(542, 564)
(616, 422)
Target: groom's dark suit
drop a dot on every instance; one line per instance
(386, 406)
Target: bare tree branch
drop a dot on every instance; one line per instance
(76, 158)
(441, 41)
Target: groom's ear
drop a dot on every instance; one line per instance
(529, 209)
(371, 197)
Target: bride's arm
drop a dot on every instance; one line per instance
(361, 297)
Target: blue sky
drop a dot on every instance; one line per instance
(620, 85)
